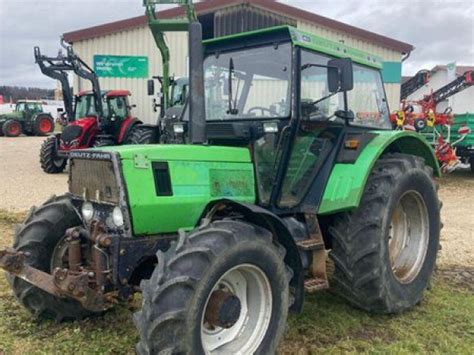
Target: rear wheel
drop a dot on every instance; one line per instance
(44, 125)
(12, 128)
(224, 290)
(39, 236)
(385, 251)
(471, 162)
(51, 163)
(141, 135)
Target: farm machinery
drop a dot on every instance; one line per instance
(172, 94)
(422, 116)
(92, 118)
(223, 233)
(29, 118)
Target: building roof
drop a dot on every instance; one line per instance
(210, 6)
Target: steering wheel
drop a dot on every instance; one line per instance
(262, 109)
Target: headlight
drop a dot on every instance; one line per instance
(117, 217)
(87, 211)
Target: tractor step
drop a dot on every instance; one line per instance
(310, 244)
(315, 284)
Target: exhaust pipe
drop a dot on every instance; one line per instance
(197, 114)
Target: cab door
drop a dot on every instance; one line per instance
(317, 133)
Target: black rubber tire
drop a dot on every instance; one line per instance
(49, 160)
(6, 128)
(103, 142)
(38, 235)
(36, 129)
(471, 162)
(363, 273)
(174, 297)
(141, 135)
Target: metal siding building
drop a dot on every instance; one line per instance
(132, 37)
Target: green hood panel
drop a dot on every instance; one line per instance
(11, 115)
(347, 181)
(181, 152)
(198, 175)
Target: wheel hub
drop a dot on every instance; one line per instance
(237, 312)
(223, 309)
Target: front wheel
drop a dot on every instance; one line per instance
(385, 251)
(224, 290)
(40, 236)
(50, 162)
(12, 128)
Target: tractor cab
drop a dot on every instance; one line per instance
(28, 106)
(293, 98)
(115, 105)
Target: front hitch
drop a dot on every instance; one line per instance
(63, 283)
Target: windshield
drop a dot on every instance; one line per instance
(179, 91)
(85, 106)
(248, 84)
(116, 107)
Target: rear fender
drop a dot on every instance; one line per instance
(346, 183)
(265, 219)
(126, 127)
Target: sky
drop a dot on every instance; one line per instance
(441, 30)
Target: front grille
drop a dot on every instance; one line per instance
(70, 133)
(94, 180)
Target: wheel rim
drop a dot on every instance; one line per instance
(14, 129)
(251, 287)
(59, 256)
(45, 125)
(408, 237)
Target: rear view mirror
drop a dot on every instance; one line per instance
(340, 75)
(151, 87)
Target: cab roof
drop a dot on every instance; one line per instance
(298, 38)
(109, 93)
(30, 102)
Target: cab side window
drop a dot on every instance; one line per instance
(118, 108)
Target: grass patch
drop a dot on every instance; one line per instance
(442, 323)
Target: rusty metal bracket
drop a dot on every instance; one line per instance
(63, 282)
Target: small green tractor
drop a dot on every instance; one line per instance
(287, 156)
(28, 118)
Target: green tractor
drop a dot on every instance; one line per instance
(28, 118)
(287, 155)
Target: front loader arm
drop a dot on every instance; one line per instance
(158, 27)
(56, 68)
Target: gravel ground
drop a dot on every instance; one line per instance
(24, 184)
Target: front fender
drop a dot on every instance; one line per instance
(126, 127)
(266, 219)
(347, 181)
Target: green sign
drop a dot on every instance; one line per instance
(117, 66)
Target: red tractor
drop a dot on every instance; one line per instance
(92, 119)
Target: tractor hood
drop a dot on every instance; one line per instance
(166, 187)
(180, 152)
(9, 116)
